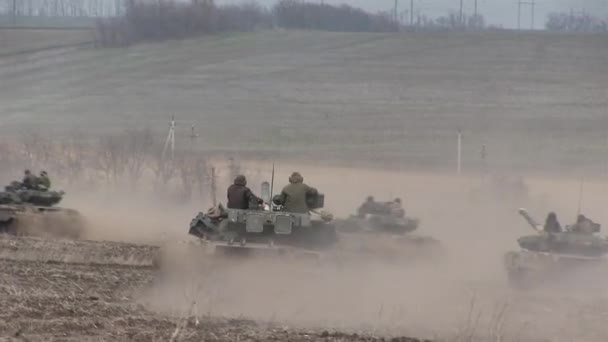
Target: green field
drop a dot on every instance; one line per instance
(537, 100)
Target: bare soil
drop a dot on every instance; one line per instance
(52, 300)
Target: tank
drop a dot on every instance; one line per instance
(33, 212)
(266, 230)
(380, 230)
(547, 256)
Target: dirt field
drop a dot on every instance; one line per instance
(52, 300)
(19, 41)
(341, 100)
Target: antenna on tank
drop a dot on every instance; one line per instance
(272, 182)
(580, 197)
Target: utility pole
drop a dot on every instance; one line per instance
(461, 11)
(395, 13)
(170, 140)
(475, 11)
(530, 3)
(14, 13)
(412, 12)
(193, 136)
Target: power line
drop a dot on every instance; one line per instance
(521, 3)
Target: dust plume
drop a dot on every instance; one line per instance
(420, 297)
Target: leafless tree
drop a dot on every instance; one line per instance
(138, 149)
(187, 175)
(71, 161)
(111, 157)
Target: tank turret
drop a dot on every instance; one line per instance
(549, 254)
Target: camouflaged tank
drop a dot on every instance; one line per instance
(383, 230)
(547, 256)
(33, 212)
(266, 230)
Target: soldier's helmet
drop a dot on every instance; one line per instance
(580, 218)
(296, 177)
(240, 180)
(370, 198)
(397, 200)
(43, 173)
(27, 172)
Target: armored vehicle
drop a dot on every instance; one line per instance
(547, 256)
(33, 212)
(381, 229)
(266, 229)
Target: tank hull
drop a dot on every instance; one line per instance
(529, 269)
(40, 221)
(388, 240)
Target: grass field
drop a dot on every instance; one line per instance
(538, 101)
(21, 41)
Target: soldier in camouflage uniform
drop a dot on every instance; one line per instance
(29, 180)
(44, 182)
(293, 197)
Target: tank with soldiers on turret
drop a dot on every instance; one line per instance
(382, 229)
(30, 208)
(290, 224)
(555, 253)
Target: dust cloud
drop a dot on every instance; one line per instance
(463, 293)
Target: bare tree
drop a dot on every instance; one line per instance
(202, 173)
(71, 161)
(111, 157)
(187, 174)
(138, 149)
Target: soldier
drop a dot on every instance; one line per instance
(396, 208)
(293, 196)
(29, 180)
(585, 225)
(367, 207)
(44, 182)
(240, 196)
(551, 224)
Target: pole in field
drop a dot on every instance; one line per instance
(530, 3)
(461, 17)
(459, 153)
(580, 197)
(411, 12)
(170, 141)
(193, 136)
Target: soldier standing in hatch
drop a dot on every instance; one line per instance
(44, 182)
(368, 207)
(29, 180)
(293, 196)
(240, 196)
(552, 224)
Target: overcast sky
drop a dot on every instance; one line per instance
(497, 12)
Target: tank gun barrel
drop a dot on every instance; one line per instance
(535, 225)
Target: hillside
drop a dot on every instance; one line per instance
(535, 99)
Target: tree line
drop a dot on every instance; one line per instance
(575, 22)
(131, 160)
